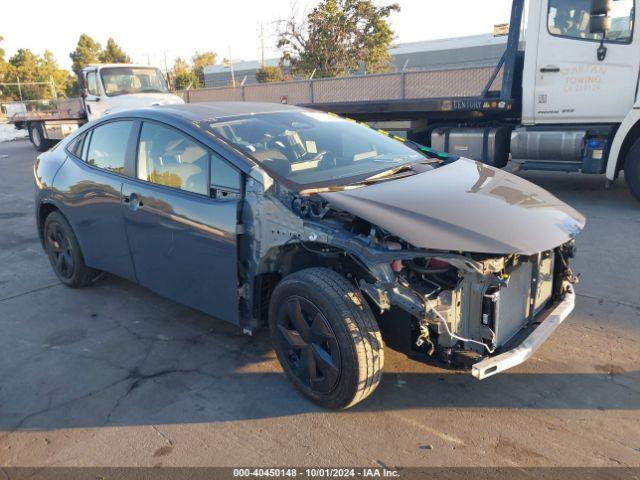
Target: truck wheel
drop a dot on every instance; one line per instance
(632, 169)
(326, 338)
(36, 135)
(64, 253)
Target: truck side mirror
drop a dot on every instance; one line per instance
(600, 23)
(601, 7)
(83, 92)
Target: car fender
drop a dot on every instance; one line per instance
(629, 122)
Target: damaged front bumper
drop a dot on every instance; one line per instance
(533, 342)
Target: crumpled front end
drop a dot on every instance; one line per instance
(470, 312)
(461, 308)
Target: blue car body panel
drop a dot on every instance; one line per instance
(180, 245)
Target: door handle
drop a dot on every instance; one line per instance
(550, 70)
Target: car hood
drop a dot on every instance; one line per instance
(465, 206)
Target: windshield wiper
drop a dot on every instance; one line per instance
(392, 172)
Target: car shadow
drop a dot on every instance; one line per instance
(167, 364)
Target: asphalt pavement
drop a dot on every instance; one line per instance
(114, 375)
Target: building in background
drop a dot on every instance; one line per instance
(463, 52)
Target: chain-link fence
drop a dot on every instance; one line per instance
(411, 85)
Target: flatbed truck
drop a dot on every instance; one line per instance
(104, 88)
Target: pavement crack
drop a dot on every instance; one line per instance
(139, 378)
(51, 407)
(163, 435)
(33, 290)
(612, 300)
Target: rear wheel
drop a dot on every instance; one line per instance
(326, 338)
(64, 252)
(632, 169)
(36, 135)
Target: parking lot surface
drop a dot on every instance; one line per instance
(113, 375)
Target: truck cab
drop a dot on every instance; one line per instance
(113, 87)
(104, 89)
(580, 78)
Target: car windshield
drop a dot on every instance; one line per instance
(311, 149)
(124, 80)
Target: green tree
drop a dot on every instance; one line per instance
(31, 68)
(337, 37)
(64, 82)
(269, 74)
(87, 52)
(201, 60)
(23, 66)
(112, 53)
(3, 68)
(183, 76)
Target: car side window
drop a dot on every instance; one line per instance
(85, 146)
(108, 146)
(167, 157)
(225, 179)
(76, 145)
(92, 83)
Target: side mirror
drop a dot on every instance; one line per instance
(599, 24)
(84, 92)
(601, 7)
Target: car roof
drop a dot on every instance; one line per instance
(210, 111)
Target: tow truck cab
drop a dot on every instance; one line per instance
(112, 87)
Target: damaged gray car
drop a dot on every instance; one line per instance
(340, 239)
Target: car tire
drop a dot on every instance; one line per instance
(64, 252)
(632, 169)
(326, 338)
(36, 135)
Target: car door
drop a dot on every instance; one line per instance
(181, 229)
(90, 185)
(94, 99)
(571, 84)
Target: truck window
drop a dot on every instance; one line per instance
(570, 18)
(108, 146)
(167, 157)
(92, 83)
(125, 80)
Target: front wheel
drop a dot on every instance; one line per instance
(326, 338)
(632, 169)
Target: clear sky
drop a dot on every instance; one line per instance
(147, 30)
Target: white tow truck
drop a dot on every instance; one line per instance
(104, 89)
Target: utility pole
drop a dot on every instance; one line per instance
(53, 87)
(166, 72)
(19, 89)
(233, 76)
(262, 42)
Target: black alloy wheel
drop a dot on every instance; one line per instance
(64, 252)
(311, 347)
(326, 337)
(59, 248)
